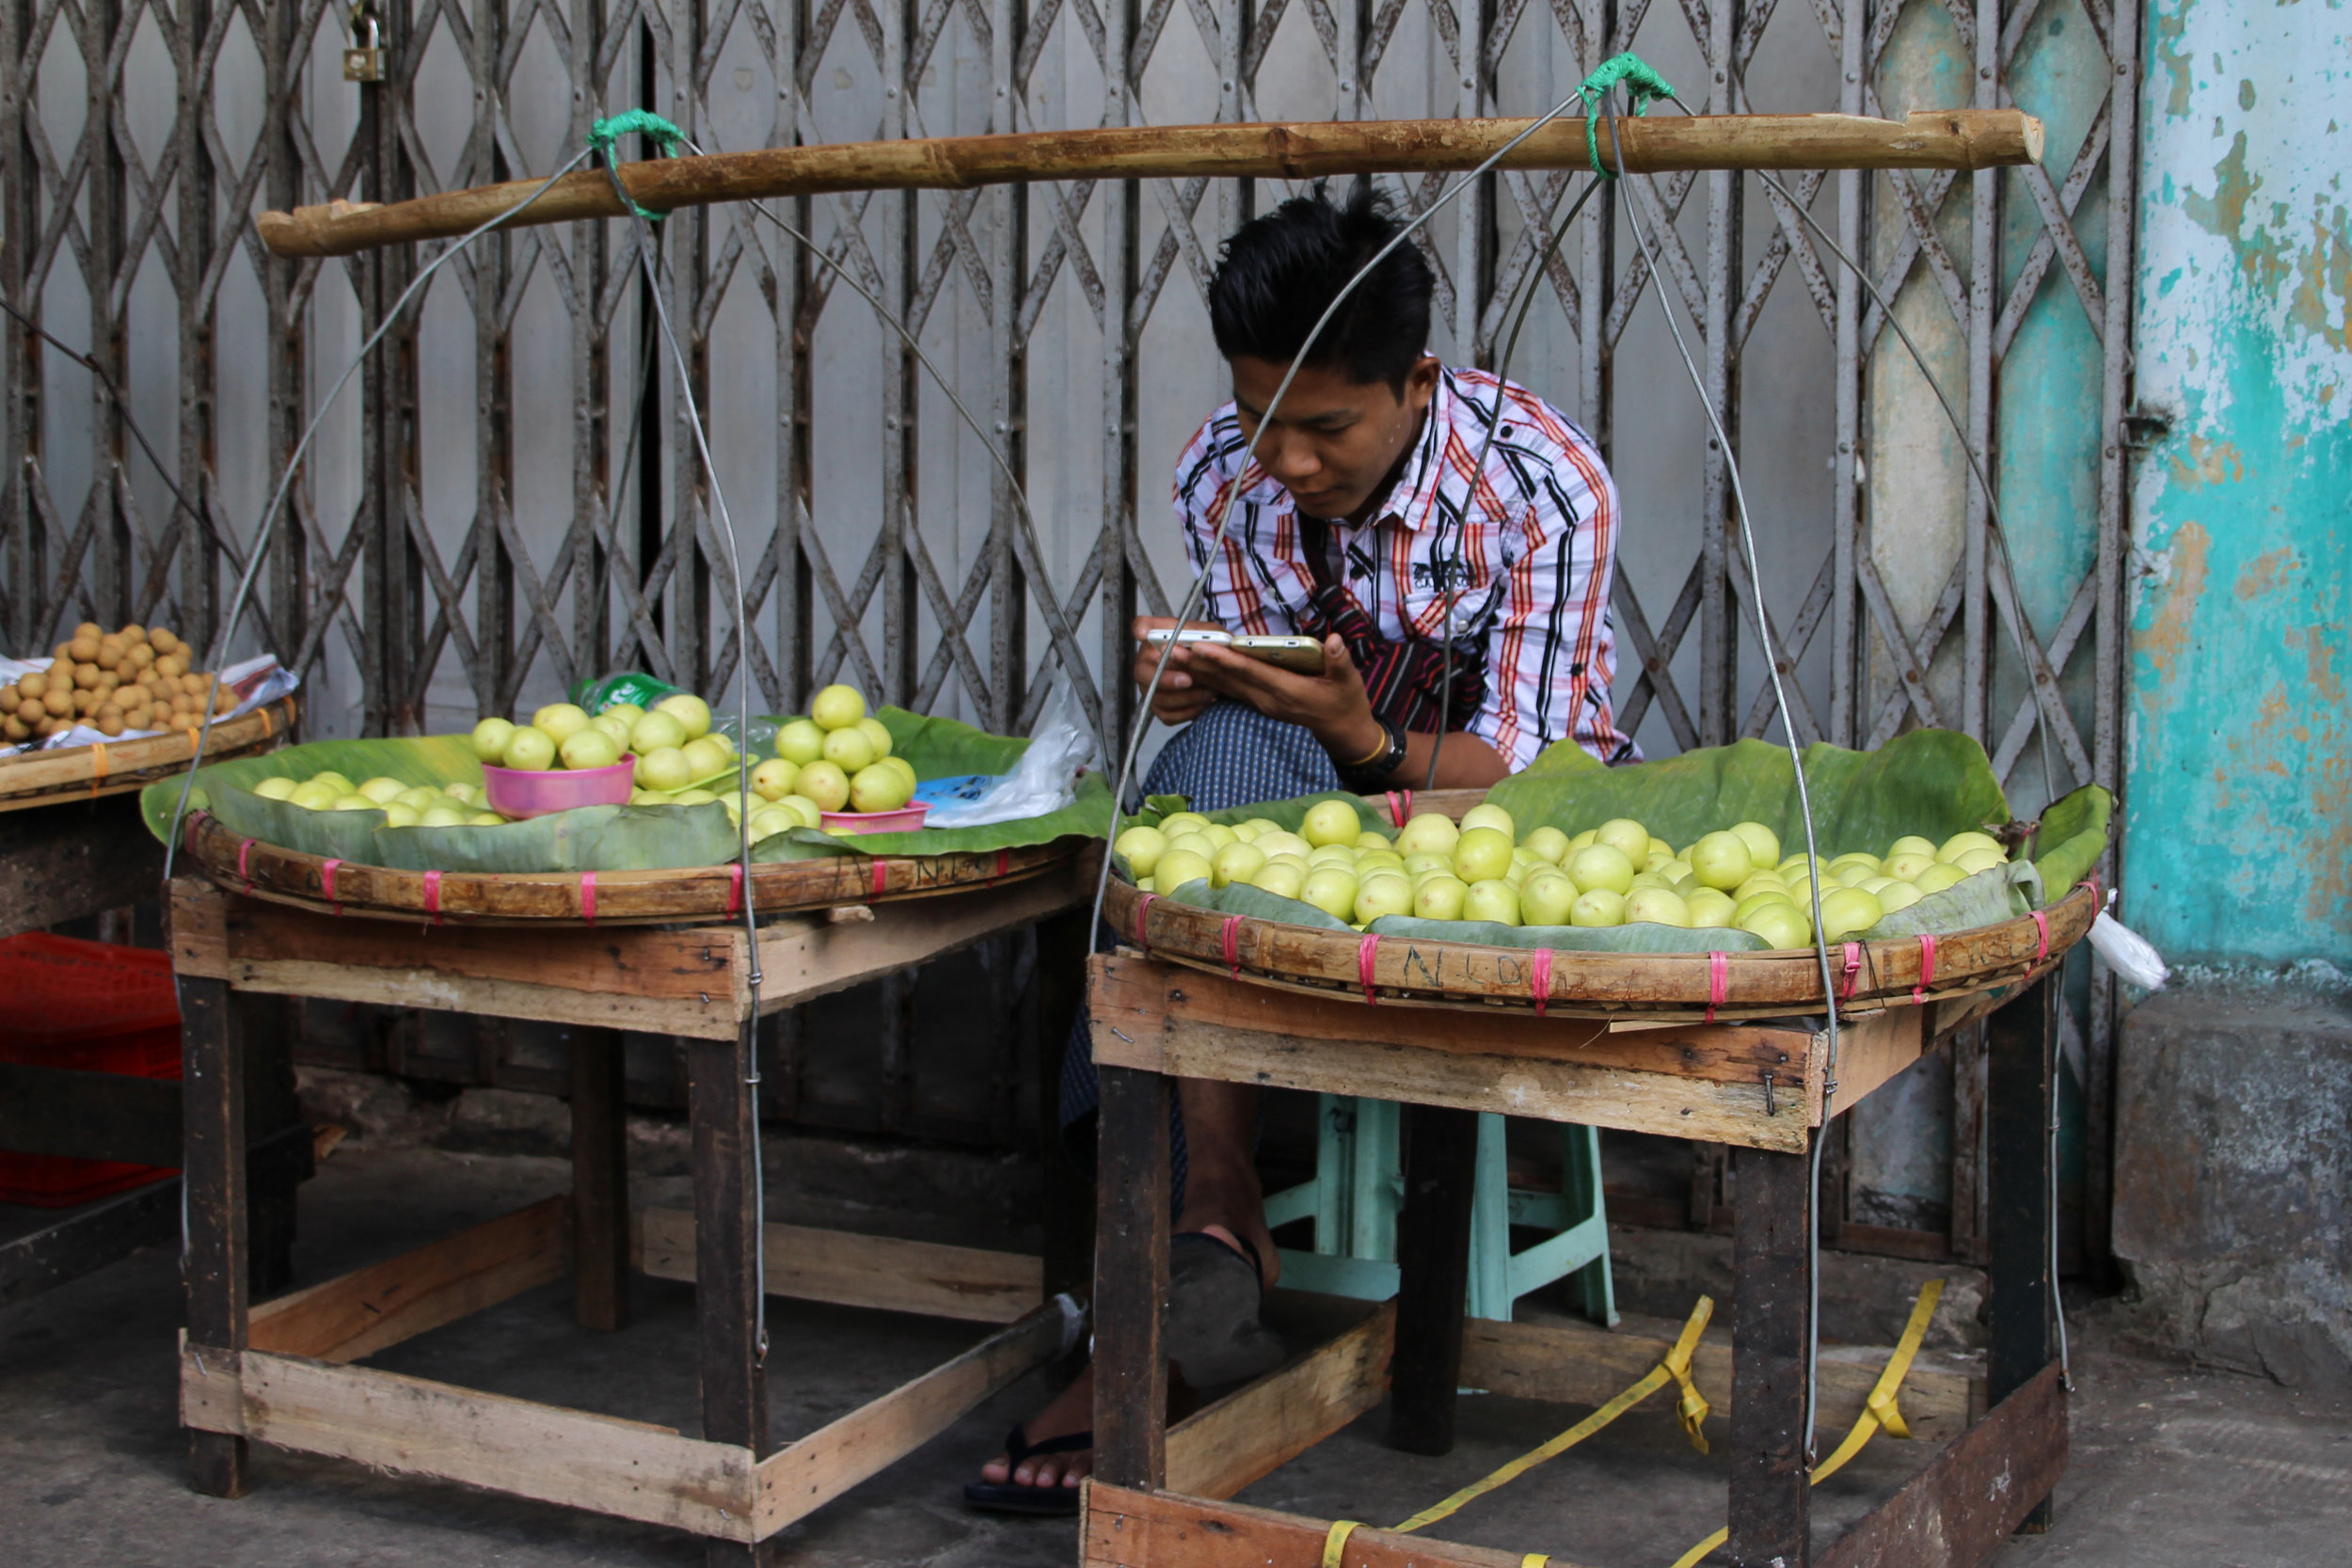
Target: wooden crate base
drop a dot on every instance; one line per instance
(294, 1385)
(1956, 1513)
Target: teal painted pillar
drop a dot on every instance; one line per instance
(2239, 754)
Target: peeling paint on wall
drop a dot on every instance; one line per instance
(2239, 783)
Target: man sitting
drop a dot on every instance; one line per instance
(1360, 522)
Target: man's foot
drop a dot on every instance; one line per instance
(1072, 1411)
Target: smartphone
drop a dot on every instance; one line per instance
(1300, 654)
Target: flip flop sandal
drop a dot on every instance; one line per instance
(1215, 1294)
(1011, 1496)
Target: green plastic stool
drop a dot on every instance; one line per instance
(1360, 1187)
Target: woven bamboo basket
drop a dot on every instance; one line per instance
(1655, 987)
(117, 767)
(700, 894)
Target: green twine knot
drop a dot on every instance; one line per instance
(1642, 87)
(604, 132)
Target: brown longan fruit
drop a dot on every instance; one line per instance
(108, 680)
(85, 676)
(31, 710)
(59, 702)
(16, 729)
(109, 722)
(84, 650)
(223, 700)
(89, 628)
(10, 697)
(164, 640)
(35, 686)
(133, 632)
(142, 655)
(173, 665)
(86, 702)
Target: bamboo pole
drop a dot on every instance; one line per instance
(1941, 138)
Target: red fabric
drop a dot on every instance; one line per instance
(588, 896)
(1926, 968)
(433, 895)
(1854, 972)
(327, 883)
(2041, 939)
(244, 852)
(1367, 956)
(1400, 813)
(1718, 982)
(1539, 980)
(1232, 937)
(881, 878)
(735, 889)
(1143, 911)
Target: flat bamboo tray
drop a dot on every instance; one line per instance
(116, 766)
(1660, 987)
(704, 894)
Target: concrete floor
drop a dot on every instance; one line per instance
(2174, 1468)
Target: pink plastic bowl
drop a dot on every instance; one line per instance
(904, 821)
(513, 792)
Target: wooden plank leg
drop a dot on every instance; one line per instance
(213, 1147)
(1433, 1276)
(1772, 1323)
(271, 1108)
(727, 1301)
(1068, 1213)
(2021, 1082)
(599, 1182)
(1131, 1280)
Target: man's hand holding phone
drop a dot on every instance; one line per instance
(1179, 699)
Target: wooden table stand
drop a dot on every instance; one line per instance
(1760, 1089)
(284, 1371)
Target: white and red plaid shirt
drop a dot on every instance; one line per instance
(1528, 565)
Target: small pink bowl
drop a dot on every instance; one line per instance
(516, 793)
(904, 821)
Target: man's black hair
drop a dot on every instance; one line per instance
(1281, 272)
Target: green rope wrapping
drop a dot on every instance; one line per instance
(1642, 87)
(604, 132)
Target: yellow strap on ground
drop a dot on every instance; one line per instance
(1676, 1367)
(1335, 1540)
(1535, 1559)
(1878, 1410)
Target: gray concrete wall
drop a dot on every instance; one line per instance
(2234, 1164)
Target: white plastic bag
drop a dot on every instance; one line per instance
(1045, 778)
(2128, 953)
(256, 682)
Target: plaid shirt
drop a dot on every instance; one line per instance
(1527, 563)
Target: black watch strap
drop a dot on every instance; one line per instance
(1375, 774)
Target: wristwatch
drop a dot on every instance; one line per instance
(1372, 772)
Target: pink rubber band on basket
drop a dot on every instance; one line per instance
(327, 883)
(1926, 968)
(1718, 982)
(2041, 939)
(1143, 911)
(1397, 813)
(588, 896)
(1232, 937)
(1367, 962)
(433, 895)
(1852, 972)
(735, 889)
(882, 877)
(1539, 979)
(245, 851)
(1003, 859)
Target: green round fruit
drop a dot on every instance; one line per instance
(441, 817)
(1179, 866)
(1781, 925)
(1429, 831)
(1722, 860)
(1600, 865)
(837, 707)
(1485, 816)
(589, 748)
(654, 732)
(381, 788)
(530, 749)
(1482, 853)
(691, 712)
(490, 738)
(1708, 907)
(1442, 896)
(398, 814)
(352, 802)
(848, 749)
(1953, 848)
(276, 788)
(664, 768)
(1652, 906)
(559, 721)
(825, 784)
(1597, 905)
(799, 742)
(1330, 822)
(877, 735)
(1549, 845)
(1936, 878)
(485, 819)
(1381, 895)
(1282, 877)
(1330, 888)
(707, 755)
(1494, 900)
(1763, 844)
(1235, 862)
(1142, 847)
(619, 726)
(875, 787)
(419, 798)
(1848, 911)
(772, 779)
(1627, 836)
(1546, 897)
(314, 794)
